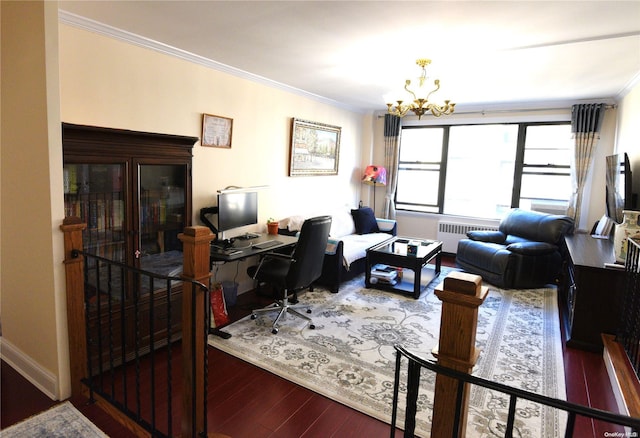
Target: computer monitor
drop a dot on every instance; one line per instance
(237, 209)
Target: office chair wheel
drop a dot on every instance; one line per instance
(274, 331)
(312, 326)
(254, 316)
(308, 310)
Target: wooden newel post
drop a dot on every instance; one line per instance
(461, 295)
(196, 243)
(72, 228)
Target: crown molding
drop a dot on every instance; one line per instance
(87, 24)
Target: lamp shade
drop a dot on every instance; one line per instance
(375, 175)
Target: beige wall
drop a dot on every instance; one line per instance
(107, 82)
(34, 337)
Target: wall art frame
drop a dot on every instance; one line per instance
(314, 148)
(217, 131)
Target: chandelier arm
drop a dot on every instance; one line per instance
(406, 87)
(437, 84)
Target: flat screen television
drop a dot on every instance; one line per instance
(618, 186)
(237, 209)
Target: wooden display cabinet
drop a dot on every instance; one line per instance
(133, 190)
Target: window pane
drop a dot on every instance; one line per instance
(421, 145)
(480, 170)
(419, 172)
(546, 183)
(546, 156)
(417, 187)
(555, 187)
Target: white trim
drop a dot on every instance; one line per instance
(41, 378)
(628, 87)
(138, 40)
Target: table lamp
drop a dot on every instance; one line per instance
(375, 175)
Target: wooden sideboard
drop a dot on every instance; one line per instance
(591, 293)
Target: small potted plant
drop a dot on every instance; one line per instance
(272, 226)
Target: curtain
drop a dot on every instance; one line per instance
(586, 120)
(391, 150)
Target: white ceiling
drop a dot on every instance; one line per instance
(486, 54)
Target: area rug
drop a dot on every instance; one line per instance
(349, 357)
(61, 421)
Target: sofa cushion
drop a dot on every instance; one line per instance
(484, 257)
(365, 220)
(341, 224)
(536, 226)
(532, 248)
(355, 245)
(487, 236)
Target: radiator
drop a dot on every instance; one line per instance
(449, 233)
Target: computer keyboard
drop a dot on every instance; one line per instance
(267, 244)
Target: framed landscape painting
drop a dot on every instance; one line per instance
(315, 148)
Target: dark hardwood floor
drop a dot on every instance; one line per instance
(245, 401)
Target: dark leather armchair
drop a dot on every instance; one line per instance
(292, 273)
(524, 253)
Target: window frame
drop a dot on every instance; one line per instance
(519, 167)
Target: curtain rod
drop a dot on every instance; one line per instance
(483, 112)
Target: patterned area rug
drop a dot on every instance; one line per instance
(349, 357)
(61, 421)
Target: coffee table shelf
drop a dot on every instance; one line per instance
(397, 252)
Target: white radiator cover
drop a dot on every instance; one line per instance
(449, 233)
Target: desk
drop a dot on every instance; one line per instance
(591, 293)
(246, 248)
(242, 249)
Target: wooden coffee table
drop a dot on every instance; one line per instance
(396, 252)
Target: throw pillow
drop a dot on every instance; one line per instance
(341, 224)
(365, 220)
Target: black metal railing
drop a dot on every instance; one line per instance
(629, 329)
(133, 331)
(416, 363)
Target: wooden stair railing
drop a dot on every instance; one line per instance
(196, 242)
(461, 295)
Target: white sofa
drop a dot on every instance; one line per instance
(352, 233)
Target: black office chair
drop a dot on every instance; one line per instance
(292, 273)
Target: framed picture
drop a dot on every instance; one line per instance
(315, 148)
(216, 131)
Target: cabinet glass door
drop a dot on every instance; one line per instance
(95, 194)
(162, 214)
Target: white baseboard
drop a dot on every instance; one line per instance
(41, 378)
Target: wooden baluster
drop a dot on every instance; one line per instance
(461, 295)
(72, 228)
(196, 242)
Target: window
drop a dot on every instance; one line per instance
(546, 179)
(483, 170)
(419, 169)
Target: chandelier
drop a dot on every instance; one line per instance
(421, 104)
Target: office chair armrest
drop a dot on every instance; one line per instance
(275, 255)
